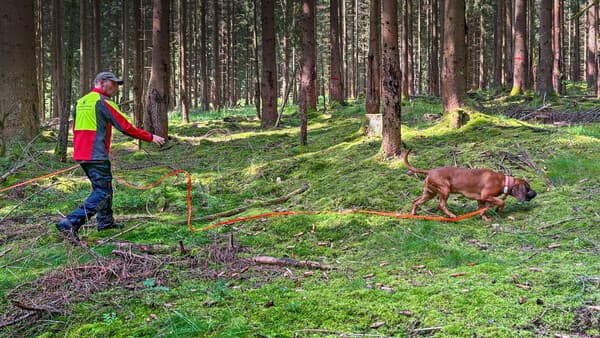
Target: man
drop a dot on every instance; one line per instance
(93, 118)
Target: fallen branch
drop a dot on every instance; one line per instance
(145, 248)
(290, 262)
(239, 210)
(42, 308)
(5, 252)
(546, 226)
(18, 319)
(108, 239)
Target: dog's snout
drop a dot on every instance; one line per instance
(530, 195)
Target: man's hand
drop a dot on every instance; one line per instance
(158, 140)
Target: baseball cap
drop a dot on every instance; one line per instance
(107, 76)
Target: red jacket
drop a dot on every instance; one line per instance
(94, 115)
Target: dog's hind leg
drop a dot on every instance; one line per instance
(426, 196)
(442, 204)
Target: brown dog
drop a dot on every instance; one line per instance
(483, 185)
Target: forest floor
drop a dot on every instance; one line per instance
(533, 271)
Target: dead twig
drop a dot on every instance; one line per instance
(145, 248)
(18, 319)
(5, 252)
(236, 211)
(546, 226)
(108, 239)
(290, 262)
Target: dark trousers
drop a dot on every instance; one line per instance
(99, 202)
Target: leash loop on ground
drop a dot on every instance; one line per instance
(264, 215)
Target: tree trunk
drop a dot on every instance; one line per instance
(508, 45)
(203, 57)
(157, 100)
(58, 89)
(96, 46)
(435, 53)
(269, 61)
(531, 44)
(125, 57)
(591, 69)
(483, 64)
(575, 49)
(257, 93)
(336, 79)
(392, 115)
(498, 33)
(520, 56)
(183, 78)
(453, 66)
(84, 49)
(557, 45)
(374, 69)
(308, 74)
(138, 65)
(285, 66)
(216, 58)
(39, 56)
(19, 115)
(544, 71)
(355, 49)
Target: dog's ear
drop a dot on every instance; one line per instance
(519, 191)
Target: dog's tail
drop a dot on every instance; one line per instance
(410, 167)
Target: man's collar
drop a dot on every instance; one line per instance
(99, 91)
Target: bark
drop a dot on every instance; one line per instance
(508, 45)
(257, 93)
(126, 49)
(544, 71)
(39, 56)
(96, 47)
(557, 45)
(58, 80)
(591, 69)
(138, 65)
(483, 64)
(391, 117)
(576, 47)
(203, 57)
(336, 79)
(19, 106)
(520, 55)
(453, 66)
(285, 66)
(216, 58)
(269, 63)
(498, 33)
(374, 69)
(157, 99)
(435, 57)
(84, 49)
(184, 100)
(308, 76)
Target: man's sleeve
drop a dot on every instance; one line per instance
(122, 123)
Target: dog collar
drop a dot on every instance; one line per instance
(509, 181)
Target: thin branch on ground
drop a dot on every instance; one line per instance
(236, 211)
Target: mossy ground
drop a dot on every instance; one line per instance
(388, 270)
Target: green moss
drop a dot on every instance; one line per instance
(420, 263)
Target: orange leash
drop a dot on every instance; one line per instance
(39, 178)
(270, 214)
(371, 212)
(175, 172)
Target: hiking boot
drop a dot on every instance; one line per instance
(113, 225)
(66, 228)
